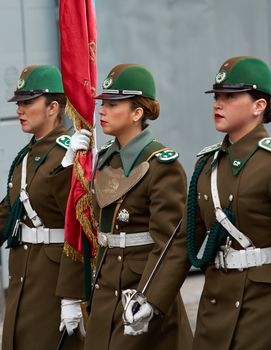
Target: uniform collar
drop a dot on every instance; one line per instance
(129, 153)
(40, 147)
(241, 151)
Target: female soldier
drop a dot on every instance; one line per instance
(140, 191)
(32, 220)
(230, 199)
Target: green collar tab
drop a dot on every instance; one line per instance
(129, 153)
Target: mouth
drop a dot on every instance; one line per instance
(103, 122)
(218, 116)
(22, 121)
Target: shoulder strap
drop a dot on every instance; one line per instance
(221, 217)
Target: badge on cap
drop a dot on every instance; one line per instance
(107, 82)
(21, 83)
(221, 76)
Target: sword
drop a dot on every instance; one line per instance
(142, 298)
(62, 339)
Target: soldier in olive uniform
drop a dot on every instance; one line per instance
(229, 201)
(40, 295)
(140, 192)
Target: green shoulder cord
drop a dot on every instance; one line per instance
(217, 233)
(15, 211)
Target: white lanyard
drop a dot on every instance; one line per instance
(24, 197)
(221, 217)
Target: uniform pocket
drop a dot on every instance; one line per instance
(54, 252)
(136, 266)
(260, 274)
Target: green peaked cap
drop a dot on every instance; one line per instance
(36, 80)
(126, 81)
(243, 73)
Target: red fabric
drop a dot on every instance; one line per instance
(78, 66)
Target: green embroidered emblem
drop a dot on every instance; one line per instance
(236, 163)
(265, 143)
(167, 156)
(64, 141)
(221, 76)
(107, 82)
(20, 83)
(107, 145)
(209, 149)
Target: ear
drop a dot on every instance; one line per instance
(53, 108)
(259, 106)
(137, 114)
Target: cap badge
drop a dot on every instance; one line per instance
(123, 216)
(220, 77)
(21, 83)
(107, 82)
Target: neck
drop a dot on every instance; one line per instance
(39, 134)
(126, 137)
(236, 135)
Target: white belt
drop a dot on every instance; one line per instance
(243, 259)
(123, 239)
(41, 234)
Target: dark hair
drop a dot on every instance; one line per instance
(60, 98)
(151, 108)
(256, 95)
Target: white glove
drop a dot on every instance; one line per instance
(80, 141)
(71, 316)
(136, 321)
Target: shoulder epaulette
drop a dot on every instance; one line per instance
(64, 141)
(209, 149)
(265, 143)
(167, 156)
(106, 146)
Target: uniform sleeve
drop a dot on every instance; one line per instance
(3, 219)
(70, 278)
(167, 193)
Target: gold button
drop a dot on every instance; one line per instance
(9, 277)
(10, 185)
(117, 226)
(25, 247)
(231, 197)
(237, 304)
(24, 217)
(119, 258)
(213, 301)
(97, 286)
(116, 293)
(206, 197)
(22, 279)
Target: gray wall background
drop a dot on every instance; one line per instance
(183, 43)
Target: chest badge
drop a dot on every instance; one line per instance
(123, 216)
(237, 163)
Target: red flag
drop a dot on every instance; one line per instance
(78, 66)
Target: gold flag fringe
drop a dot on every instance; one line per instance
(84, 204)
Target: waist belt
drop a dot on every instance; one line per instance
(123, 239)
(242, 259)
(41, 234)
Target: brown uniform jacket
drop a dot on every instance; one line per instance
(235, 306)
(155, 204)
(39, 274)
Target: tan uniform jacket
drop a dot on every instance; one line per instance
(235, 306)
(39, 274)
(155, 205)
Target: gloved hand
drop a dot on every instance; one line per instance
(137, 313)
(80, 141)
(71, 316)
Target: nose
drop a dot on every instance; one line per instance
(218, 103)
(19, 109)
(102, 110)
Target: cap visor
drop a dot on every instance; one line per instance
(112, 97)
(227, 90)
(16, 98)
